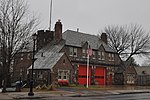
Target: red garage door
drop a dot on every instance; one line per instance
(100, 75)
(82, 75)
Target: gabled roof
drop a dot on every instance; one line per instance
(142, 70)
(48, 56)
(74, 38)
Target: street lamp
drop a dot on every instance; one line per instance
(33, 59)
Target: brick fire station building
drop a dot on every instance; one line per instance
(62, 57)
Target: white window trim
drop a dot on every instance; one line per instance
(75, 52)
(113, 57)
(70, 51)
(83, 53)
(109, 56)
(62, 76)
(101, 55)
(94, 55)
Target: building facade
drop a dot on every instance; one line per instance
(102, 63)
(137, 75)
(62, 56)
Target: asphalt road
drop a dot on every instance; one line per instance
(142, 96)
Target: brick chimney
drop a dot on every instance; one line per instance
(43, 38)
(104, 38)
(58, 31)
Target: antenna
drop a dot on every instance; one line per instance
(50, 16)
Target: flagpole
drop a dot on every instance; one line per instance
(50, 16)
(87, 66)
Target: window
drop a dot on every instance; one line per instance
(63, 74)
(40, 75)
(59, 74)
(130, 79)
(83, 53)
(22, 55)
(72, 51)
(64, 62)
(101, 55)
(94, 56)
(21, 58)
(75, 52)
(111, 57)
(28, 57)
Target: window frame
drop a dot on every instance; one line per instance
(73, 52)
(94, 55)
(101, 55)
(70, 51)
(64, 75)
(83, 53)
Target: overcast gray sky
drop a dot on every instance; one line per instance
(91, 16)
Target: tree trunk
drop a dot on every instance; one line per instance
(4, 85)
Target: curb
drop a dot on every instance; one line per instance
(32, 97)
(85, 95)
(135, 92)
(118, 93)
(39, 96)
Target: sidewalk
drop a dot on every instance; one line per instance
(5, 97)
(70, 93)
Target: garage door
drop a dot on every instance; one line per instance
(82, 75)
(100, 75)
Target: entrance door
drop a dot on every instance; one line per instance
(110, 79)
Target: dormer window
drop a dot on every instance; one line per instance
(84, 53)
(101, 55)
(111, 57)
(94, 55)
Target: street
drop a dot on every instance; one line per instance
(142, 96)
(70, 93)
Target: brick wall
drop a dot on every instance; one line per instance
(50, 76)
(110, 65)
(63, 64)
(22, 62)
(43, 38)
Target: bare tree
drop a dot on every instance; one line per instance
(16, 26)
(128, 40)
